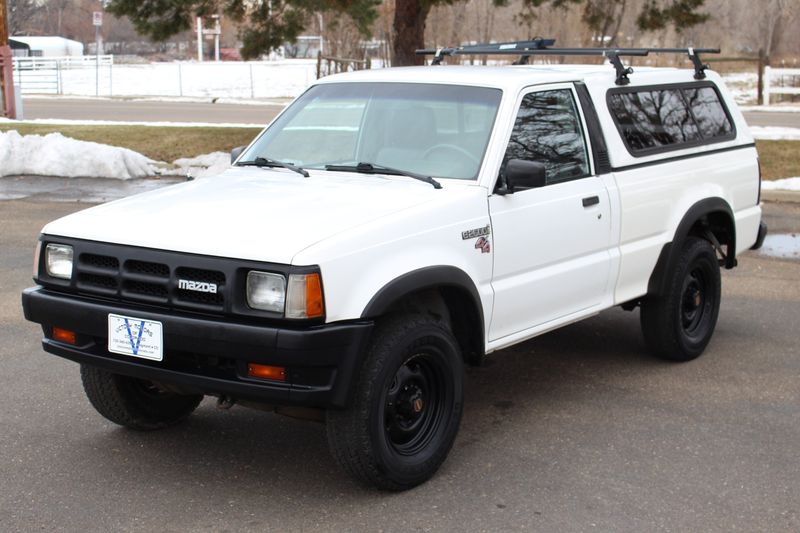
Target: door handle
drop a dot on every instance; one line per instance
(590, 201)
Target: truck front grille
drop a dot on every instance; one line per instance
(151, 282)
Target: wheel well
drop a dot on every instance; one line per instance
(454, 305)
(721, 227)
(710, 219)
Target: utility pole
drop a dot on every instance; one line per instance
(6, 66)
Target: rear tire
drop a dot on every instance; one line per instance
(135, 403)
(679, 324)
(407, 407)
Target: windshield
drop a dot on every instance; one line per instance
(432, 130)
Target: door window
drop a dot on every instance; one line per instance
(548, 130)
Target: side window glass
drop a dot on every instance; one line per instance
(708, 112)
(653, 119)
(548, 130)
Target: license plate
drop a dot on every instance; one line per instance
(136, 337)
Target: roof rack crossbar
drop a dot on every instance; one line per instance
(525, 49)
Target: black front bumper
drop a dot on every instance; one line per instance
(210, 355)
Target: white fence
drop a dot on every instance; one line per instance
(45, 75)
(83, 76)
(779, 81)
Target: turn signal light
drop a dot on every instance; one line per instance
(64, 335)
(304, 296)
(275, 373)
(314, 305)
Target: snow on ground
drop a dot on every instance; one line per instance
(56, 155)
(743, 86)
(783, 245)
(277, 102)
(255, 79)
(787, 184)
(775, 133)
(59, 156)
(775, 108)
(204, 166)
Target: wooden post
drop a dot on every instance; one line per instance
(6, 66)
(319, 62)
(3, 23)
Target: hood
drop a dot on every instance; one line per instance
(247, 213)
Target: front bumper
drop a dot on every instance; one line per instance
(208, 354)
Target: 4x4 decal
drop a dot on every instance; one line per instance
(483, 245)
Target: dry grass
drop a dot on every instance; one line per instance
(158, 143)
(779, 159)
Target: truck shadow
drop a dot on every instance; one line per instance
(256, 454)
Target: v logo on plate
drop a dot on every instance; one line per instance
(135, 346)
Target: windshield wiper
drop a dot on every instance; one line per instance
(266, 162)
(370, 168)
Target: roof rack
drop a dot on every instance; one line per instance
(541, 47)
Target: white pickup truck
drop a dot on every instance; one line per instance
(391, 226)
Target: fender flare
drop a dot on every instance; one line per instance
(442, 276)
(670, 253)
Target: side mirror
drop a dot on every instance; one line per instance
(521, 174)
(236, 152)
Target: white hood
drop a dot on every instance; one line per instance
(247, 213)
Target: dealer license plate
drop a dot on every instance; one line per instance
(136, 337)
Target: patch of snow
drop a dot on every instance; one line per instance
(69, 122)
(276, 102)
(56, 155)
(782, 245)
(204, 166)
(775, 133)
(776, 108)
(786, 184)
(743, 86)
(234, 79)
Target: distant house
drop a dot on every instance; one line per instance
(45, 47)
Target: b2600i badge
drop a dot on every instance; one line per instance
(477, 232)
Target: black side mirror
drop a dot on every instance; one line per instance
(521, 174)
(236, 152)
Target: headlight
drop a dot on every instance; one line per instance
(266, 291)
(304, 297)
(58, 261)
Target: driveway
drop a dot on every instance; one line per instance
(577, 430)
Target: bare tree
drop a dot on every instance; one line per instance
(20, 16)
(777, 15)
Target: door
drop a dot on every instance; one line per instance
(551, 243)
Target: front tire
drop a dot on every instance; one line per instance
(135, 403)
(679, 324)
(407, 406)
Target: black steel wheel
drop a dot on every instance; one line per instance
(135, 403)
(679, 324)
(407, 407)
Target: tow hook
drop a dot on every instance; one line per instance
(225, 402)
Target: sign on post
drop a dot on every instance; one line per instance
(97, 18)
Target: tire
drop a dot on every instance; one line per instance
(679, 324)
(135, 403)
(407, 406)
